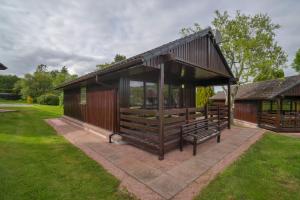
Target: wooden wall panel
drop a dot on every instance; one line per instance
(200, 51)
(99, 110)
(246, 110)
(295, 91)
(101, 107)
(72, 106)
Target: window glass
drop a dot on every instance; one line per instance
(151, 95)
(83, 95)
(286, 105)
(266, 106)
(174, 96)
(136, 94)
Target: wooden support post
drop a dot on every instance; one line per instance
(206, 111)
(295, 115)
(278, 113)
(219, 123)
(161, 112)
(229, 103)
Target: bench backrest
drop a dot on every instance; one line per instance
(198, 126)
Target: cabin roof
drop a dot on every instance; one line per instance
(139, 59)
(2, 67)
(263, 89)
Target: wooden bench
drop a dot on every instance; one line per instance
(199, 131)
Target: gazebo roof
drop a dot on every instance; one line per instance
(263, 89)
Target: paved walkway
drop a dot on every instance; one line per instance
(179, 176)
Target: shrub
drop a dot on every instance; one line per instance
(29, 99)
(48, 99)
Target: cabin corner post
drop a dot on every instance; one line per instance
(161, 112)
(229, 103)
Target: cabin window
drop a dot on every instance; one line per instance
(266, 106)
(286, 105)
(171, 96)
(136, 94)
(83, 95)
(151, 95)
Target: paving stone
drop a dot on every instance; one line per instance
(190, 170)
(180, 175)
(167, 186)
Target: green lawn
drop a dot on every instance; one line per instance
(36, 163)
(269, 170)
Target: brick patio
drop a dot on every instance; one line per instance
(179, 176)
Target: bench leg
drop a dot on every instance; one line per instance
(195, 146)
(219, 138)
(110, 136)
(181, 143)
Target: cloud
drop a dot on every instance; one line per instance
(81, 34)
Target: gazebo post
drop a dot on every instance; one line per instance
(161, 111)
(229, 103)
(279, 108)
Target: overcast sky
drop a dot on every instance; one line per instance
(82, 33)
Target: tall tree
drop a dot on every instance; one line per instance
(118, 58)
(296, 62)
(7, 83)
(42, 81)
(249, 46)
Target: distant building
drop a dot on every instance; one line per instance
(273, 104)
(2, 67)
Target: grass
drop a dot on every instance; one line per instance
(36, 163)
(269, 170)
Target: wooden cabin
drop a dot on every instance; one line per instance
(146, 98)
(273, 104)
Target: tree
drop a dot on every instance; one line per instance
(249, 46)
(296, 62)
(42, 82)
(202, 95)
(118, 58)
(7, 83)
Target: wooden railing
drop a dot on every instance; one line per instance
(290, 120)
(142, 125)
(268, 120)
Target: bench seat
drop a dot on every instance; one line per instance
(199, 131)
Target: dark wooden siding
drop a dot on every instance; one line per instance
(200, 51)
(246, 110)
(99, 110)
(101, 107)
(295, 91)
(72, 106)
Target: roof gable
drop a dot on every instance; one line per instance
(199, 48)
(264, 89)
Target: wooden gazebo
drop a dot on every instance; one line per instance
(273, 104)
(146, 98)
